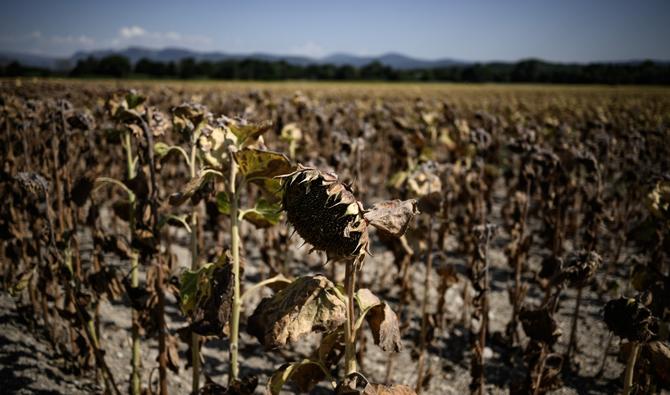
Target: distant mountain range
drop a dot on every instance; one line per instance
(134, 54)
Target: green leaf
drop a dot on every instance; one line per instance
(223, 203)
(162, 150)
(21, 282)
(194, 285)
(271, 187)
(264, 214)
(259, 164)
(134, 99)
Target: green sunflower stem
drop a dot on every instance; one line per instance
(235, 246)
(630, 368)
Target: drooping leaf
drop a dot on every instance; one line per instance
(163, 151)
(214, 143)
(309, 304)
(193, 286)
(206, 297)
(172, 353)
(393, 216)
(250, 131)
(258, 164)
(366, 299)
(190, 189)
(188, 117)
(385, 328)
(331, 347)
(305, 374)
(264, 214)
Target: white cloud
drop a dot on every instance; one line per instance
(132, 31)
(137, 35)
(309, 48)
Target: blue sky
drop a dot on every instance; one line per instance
(566, 30)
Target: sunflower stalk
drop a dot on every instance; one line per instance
(195, 339)
(235, 247)
(135, 379)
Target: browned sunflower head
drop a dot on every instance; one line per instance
(325, 213)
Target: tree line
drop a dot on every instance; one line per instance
(529, 71)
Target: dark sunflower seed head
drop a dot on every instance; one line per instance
(325, 213)
(630, 319)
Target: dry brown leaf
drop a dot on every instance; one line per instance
(393, 216)
(385, 329)
(309, 304)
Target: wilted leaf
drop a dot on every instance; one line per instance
(264, 214)
(393, 216)
(309, 304)
(256, 163)
(206, 297)
(331, 347)
(193, 186)
(539, 325)
(214, 144)
(249, 131)
(658, 353)
(188, 116)
(172, 353)
(384, 325)
(366, 300)
(305, 374)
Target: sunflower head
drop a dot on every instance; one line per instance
(325, 213)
